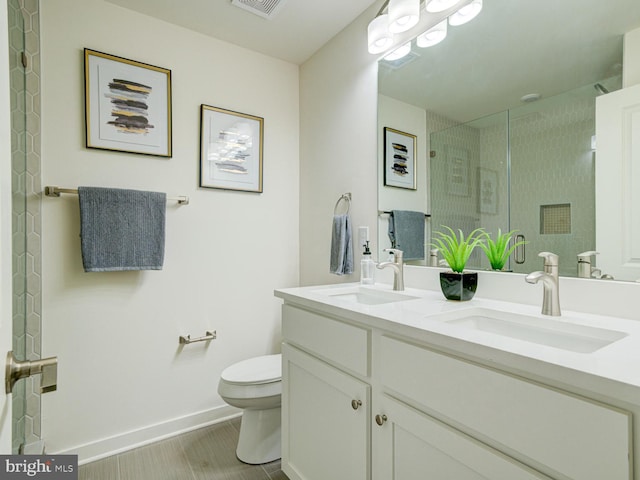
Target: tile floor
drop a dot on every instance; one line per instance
(207, 453)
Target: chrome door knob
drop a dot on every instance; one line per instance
(355, 404)
(380, 419)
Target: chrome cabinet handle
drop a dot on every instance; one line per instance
(380, 419)
(355, 404)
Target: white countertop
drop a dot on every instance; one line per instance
(612, 371)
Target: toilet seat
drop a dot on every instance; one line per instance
(254, 371)
(255, 378)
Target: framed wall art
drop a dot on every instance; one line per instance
(127, 105)
(457, 171)
(399, 159)
(230, 150)
(487, 190)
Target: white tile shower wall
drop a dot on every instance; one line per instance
(123, 378)
(552, 163)
(454, 186)
(27, 214)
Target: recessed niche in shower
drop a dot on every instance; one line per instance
(555, 219)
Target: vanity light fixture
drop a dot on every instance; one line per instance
(466, 13)
(399, 52)
(435, 6)
(403, 14)
(378, 34)
(433, 36)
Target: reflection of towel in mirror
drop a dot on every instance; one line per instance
(341, 246)
(121, 229)
(406, 232)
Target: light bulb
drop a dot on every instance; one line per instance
(432, 36)
(466, 13)
(403, 14)
(435, 6)
(378, 35)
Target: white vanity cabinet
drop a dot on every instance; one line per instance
(361, 402)
(326, 411)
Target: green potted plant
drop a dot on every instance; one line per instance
(456, 250)
(498, 250)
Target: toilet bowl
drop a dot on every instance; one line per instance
(255, 385)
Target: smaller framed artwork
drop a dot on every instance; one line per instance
(399, 159)
(127, 105)
(230, 150)
(487, 191)
(457, 171)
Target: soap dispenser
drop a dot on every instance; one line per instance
(367, 266)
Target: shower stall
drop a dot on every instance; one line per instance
(529, 169)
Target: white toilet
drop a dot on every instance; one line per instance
(255, 385)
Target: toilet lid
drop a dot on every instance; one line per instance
(265, 369)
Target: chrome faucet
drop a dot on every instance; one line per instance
(550, 282)
(585, 268)
(398, 268)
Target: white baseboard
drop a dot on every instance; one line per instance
(106, 447)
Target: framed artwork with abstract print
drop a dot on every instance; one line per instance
(230, 150)
(399, 159)
(127, 105)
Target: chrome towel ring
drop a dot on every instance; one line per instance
(347, 199)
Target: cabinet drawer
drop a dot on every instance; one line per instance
(570, 435)
(340, 343)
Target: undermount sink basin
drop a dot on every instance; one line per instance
(543, 331)
(367, 296)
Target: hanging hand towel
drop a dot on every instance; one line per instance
(341, 247)
(121, 229)
(406, 232)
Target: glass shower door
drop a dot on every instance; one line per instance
(19, 210)
(470, 178)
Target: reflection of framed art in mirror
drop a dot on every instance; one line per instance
(399, 159)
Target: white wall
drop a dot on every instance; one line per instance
(122, 376)
(338, 146)
(631, 59)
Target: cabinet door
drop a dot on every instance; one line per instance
(325, 420)
(410, 445)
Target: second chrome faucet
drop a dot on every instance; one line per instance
(550, 282)
(398, 268)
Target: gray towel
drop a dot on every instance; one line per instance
(121, 229)
(341, 247)
(406, 232)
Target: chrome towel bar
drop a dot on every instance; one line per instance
(51, 191)
(208, 336)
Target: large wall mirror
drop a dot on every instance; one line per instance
(502, 118)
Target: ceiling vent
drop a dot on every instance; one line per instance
(401, 62)
(263, 8)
